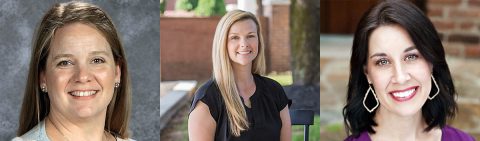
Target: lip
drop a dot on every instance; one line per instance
(403, 99)
(245, 52)
(83, 94)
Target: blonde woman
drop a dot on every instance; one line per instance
(78, 86)
(238, 103)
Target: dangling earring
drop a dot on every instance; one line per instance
(117, 84)
(438, 89)
(365, 99)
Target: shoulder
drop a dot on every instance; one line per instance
(451, 133)
(208, 89)
(268, 81)
(36, 133)
(128, 139)
(362, 137)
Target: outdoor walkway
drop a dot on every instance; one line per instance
(173, 96)
(334, 73)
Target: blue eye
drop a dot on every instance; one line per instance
(411, 57)
(64, 63)
(98, 61)
(382, 62)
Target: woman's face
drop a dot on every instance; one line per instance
(80, 72)
(242, 42)
(398, 71)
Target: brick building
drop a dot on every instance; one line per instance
(185, 42)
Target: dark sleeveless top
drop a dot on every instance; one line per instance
(448, 134)
(263, 116)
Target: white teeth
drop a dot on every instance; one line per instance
(82, 93)
(244, 52)
(404, 93)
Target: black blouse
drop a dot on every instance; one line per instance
(263, 116)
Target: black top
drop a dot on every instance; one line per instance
(263, 116)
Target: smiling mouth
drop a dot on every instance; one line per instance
(244, 52)
(82, 93)
(404, 95)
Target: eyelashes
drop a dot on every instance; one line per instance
(237, 37)
(408, 58)
(66, 62)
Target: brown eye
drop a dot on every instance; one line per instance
(64, 63)
(98, 61)
(234, 38)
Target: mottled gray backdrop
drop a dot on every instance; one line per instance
(138, 25)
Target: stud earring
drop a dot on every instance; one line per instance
(365, 99)
(436, 85)
(117, 84)
(43, 89)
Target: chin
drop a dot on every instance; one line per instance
(408, 111)
(88, 112)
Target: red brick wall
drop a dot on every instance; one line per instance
(457, 23)
(185, 47)
(278, 52)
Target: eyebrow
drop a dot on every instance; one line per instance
(247, 33)
(71, 55)
(98, 52)
(62, 56)
(383, 54)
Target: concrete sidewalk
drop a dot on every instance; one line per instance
(172, 93)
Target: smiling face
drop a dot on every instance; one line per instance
(242, 42)
(398, 71)
(80, 72)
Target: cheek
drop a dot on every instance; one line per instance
(57, 80)
(421, 72)
(105, 76)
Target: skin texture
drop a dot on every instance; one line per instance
(242, 48)
(395, 64)
(80, 59)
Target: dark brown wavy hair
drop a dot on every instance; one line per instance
(423, 34)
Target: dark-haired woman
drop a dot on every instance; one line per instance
(400, 88)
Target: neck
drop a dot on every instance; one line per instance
(60, 127)
(396, 127)
(243, 78)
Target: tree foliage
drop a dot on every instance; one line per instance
(210, 8)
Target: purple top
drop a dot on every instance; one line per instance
(448, 134)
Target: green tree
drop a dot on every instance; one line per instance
(210, 8)
(186, 5)
(162, 6)
(305, 41)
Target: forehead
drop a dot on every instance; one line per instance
(78, 37)
(245, 25)
(389, 38)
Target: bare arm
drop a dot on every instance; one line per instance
(286, 131)
(201, 125)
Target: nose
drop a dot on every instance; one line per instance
(243, 43)
(82, 74)
(401, 75)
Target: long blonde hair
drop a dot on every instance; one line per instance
(36, 104)
(223, 72)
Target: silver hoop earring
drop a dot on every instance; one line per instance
(365, 99)
(438, 89)
(117, 84)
